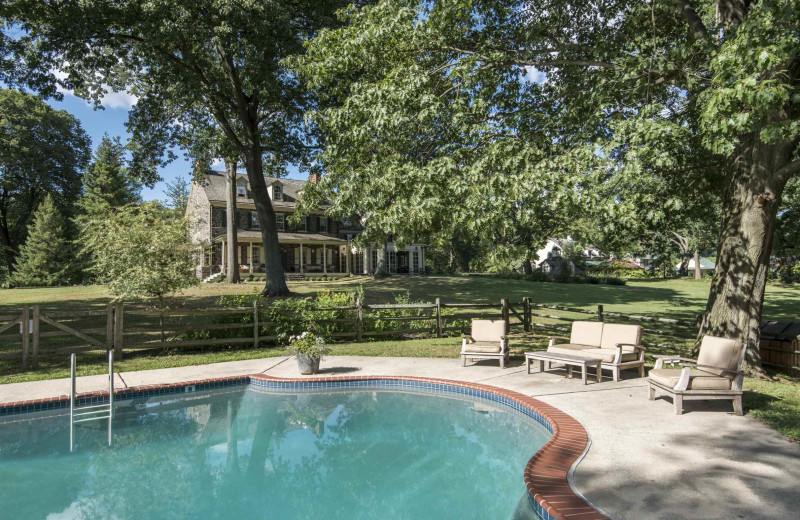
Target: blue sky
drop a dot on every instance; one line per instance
(111, 120)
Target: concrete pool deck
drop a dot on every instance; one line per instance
(644, 461)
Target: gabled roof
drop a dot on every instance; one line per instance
(215, 188)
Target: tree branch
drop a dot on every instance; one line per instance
(788, 170)
(696, 25)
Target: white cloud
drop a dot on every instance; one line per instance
(218, 163)
(123, 100)
(535, 75)
(111, 99)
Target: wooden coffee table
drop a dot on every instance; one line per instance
(567, 359)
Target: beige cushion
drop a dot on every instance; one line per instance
(608, 354)
(698, 379)
(567, 348)
(484, 347)
(488, 330)
(720, 352)
(586, 333)
(614, 333)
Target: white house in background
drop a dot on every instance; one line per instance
(316, 245)
(706, 266)
(554, 248)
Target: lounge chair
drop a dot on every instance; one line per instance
(487, 341)
(716, 374)
(617, 345)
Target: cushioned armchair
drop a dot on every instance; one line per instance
(617, 345)
(716, 374)
(486, 341)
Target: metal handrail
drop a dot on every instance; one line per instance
(91, 410)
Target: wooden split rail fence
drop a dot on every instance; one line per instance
(132, 328)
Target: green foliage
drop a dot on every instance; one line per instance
(177, 193)
(618, 269)
(308, 344)
(107, 183)
(45, 257)
(42, 152)
(139, 251)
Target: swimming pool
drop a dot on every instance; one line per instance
(357, 451)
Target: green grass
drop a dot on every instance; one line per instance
(775, 403)
(665, 298)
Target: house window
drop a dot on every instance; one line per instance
(277, 193)
(358, 261)
(241, 190)
(374, 260)
(323, 224)
(255, 223)
(280, 222)
(303, 224)
(207, 256)
(390, 238)
(347, 224)
(391, 260)
(415, 260)
(256, 255)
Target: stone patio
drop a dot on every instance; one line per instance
(644, 461)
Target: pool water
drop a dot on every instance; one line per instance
(245, 453)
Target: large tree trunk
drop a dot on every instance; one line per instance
(527, 266)
(276, 278)
(230, 216)
(754, 186)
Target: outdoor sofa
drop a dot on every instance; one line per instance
(487, 340)
(716, 374)
(615, 344)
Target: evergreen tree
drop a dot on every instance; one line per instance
(106, 182)
(177, 193)
(44, 259)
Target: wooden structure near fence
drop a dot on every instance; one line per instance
(128, 328)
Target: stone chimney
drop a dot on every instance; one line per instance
(315, 177)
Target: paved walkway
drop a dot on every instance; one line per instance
(644, 462)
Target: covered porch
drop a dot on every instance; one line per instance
(301, 253)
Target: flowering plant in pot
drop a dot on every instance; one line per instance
(308, 348)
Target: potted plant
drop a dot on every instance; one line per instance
(308, 348)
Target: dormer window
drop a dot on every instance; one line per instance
(241, 190)
(277, 193)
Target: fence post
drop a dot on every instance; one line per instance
(526, 313)
(24, 328)
(255, 323)
(600, 313)
(119, 319)
(359, 320)
(504, 309)
(35, 349)
(438, 318)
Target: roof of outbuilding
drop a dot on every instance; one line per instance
(215, 188)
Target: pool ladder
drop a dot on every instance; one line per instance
(94, 412)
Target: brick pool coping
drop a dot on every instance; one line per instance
(545, 475)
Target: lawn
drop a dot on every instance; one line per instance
(776, 403)
(665, 298)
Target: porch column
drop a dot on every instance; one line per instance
(250, 256)
(347, 258)
(223, 256)
(301, 258)
(325, 259)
